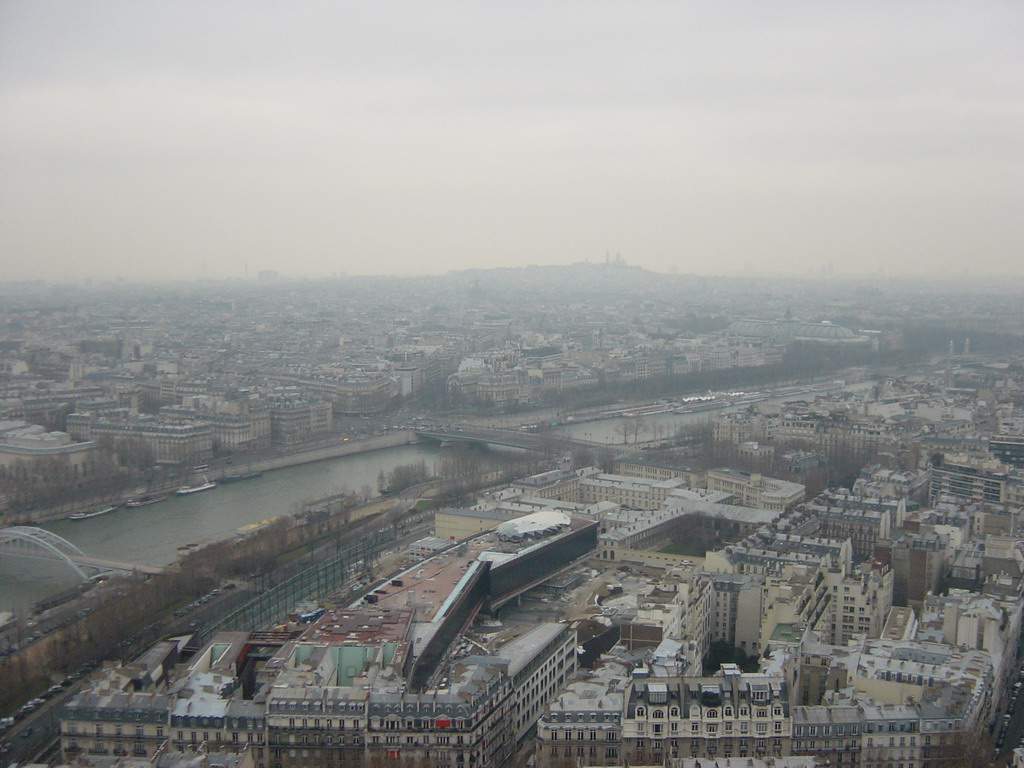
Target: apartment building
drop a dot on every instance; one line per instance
(864, 528)
(732, 714)
(971, 478)
(583, 721)
(831, 735)
(918, 561)
(859, 602)
(115, 723)
(170, 443)
(231, 431)
(294, 419)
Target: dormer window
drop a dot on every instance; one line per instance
(640, 711)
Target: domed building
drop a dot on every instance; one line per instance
(787, 330)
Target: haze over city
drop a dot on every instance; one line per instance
(478, 385)
(158, 141)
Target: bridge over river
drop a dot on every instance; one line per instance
(543, 441)
(37, 545)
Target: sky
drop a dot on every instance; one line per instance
(211, 139)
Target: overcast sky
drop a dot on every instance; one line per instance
(213, 139)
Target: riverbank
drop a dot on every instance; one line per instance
(132, 612)
(307, 455)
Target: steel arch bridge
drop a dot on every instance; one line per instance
(38, 544)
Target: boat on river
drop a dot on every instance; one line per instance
(696, 403)
(143, 501)
(236, 478)
(93, 513)
(206, 485)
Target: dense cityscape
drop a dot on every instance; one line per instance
(586, 515)
(511, 385)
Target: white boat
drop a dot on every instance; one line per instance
(143, 501)
(93, 513)
(187, 489)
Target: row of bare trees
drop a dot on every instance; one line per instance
(131, 613)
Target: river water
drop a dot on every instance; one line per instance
(151, 535)
(663, 426)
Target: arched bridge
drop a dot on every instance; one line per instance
(38, 544)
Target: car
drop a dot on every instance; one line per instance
(28, 732)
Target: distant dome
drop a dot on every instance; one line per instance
(761, 329)
(789, 330)
(824, 330)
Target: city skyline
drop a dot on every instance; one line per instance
(143, 143)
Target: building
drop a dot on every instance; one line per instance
(627, 492)
(918, 561)
(1008, 449)
(29, 453)
(169, 443)
(859, 602)
(392, 677)
(294, 419)
(864, 528)
(959, 475)
(754, 490)
(731, 714)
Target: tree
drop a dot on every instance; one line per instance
(582, 457)
(968, 749)
(723, 652)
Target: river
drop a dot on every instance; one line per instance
(151, 535)
(663, 426)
